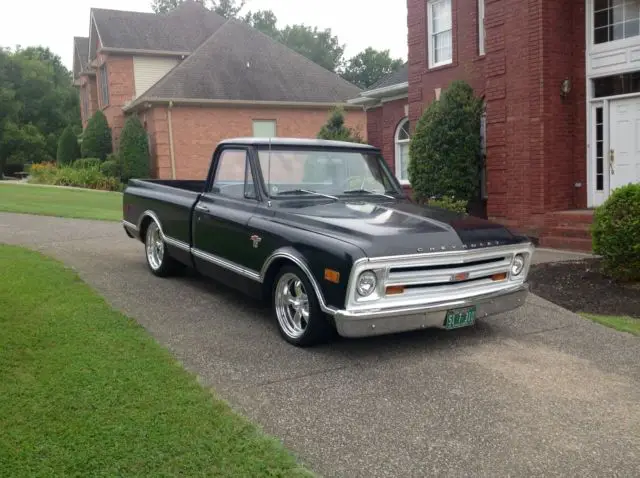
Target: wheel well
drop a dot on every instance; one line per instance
(270, 276)
(143, 227)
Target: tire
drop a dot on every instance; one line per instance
(293, 298)
(159, 261)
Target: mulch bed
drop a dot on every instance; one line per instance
(580, 286)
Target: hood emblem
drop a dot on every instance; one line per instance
(460, 276)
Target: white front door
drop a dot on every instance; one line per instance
(624, 158)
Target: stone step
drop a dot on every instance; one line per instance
(567, 243)
(579, 231)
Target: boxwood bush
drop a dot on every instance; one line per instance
(445, 147)
(616, 233)
(110, 168)
(96, 138)
(449, 203)
(134, 150)
(68, 147)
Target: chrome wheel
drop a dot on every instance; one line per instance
(292, 305)
(155, 246)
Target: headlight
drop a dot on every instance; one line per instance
(366, 283)
(517, 266)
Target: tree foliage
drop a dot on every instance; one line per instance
(134, 150)
(225, 8)
(335, 128)
(369, 66)
(96, 139)
(37, 102)
(445, 147)
(68, 147)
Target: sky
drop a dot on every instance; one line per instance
(356, 23)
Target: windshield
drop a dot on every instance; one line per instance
(332, 173)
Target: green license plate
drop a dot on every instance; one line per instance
(457, 318)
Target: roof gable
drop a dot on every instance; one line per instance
(80, 55)
(240, 63)
(180, 31)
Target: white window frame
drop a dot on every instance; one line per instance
(481, 28)
(430, 6)
(398, 143)
(263, 121)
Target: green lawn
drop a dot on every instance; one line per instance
(623, 324)
(51, 201)
(85, 391)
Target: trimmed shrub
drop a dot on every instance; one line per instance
(616, 233)
(87, 163)
(335, 129)
(445, 147)
(96, 138)
(134, 150)
(90, 178)
(110, 168)
(449, 203)
(68, 147)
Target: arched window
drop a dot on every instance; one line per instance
(403, 137)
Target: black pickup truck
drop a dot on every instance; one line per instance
(324, 231)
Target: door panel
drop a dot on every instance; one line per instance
(220, 231)
(624, 162)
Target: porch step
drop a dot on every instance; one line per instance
(569, 218)
(567, 243)
(580, 231)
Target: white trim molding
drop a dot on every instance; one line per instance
(401, 145)
(447, 28)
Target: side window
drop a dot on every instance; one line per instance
(233, 176)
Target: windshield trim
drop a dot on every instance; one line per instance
(396, 191)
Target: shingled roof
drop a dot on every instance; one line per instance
(81, 55)
(395, 78)
(240, 63)
(180, 31)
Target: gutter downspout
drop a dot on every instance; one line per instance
(171, 153)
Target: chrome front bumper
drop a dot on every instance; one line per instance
(364, 323)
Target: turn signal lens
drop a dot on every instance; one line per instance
(395, 290)
(499, 277)
(332, 276)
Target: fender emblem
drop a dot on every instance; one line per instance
(256, 241)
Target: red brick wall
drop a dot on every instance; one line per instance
(88, 87)
(382, 123)
(121, 90)
(535, 139)
(197, 130)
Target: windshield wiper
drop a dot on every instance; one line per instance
(360, 191)
(306, 191)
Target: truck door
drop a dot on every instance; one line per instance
(221, 241)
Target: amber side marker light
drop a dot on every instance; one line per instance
(394, 290)
(332, 276)
(499, 277)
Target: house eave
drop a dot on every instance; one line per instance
(393, 90)
(148, 102)
(134, 51)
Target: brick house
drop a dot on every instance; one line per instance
(195, 78)
(561, 84)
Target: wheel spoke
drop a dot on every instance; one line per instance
(297, 319)
(298, 289)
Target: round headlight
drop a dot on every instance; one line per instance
(366, 283)
(517, 266)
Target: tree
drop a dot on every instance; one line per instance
(335, 128)
(225, 8)
(68, 147)
(37, 102)
(264, 21)
(321, 47)
(96, 139)
(134, 150)
(445, 147)
(22, 144)
(369, 66)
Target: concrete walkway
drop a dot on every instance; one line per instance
(540, 392)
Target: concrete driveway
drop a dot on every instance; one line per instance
(538, 393)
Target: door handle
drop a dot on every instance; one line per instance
(612, 159)
(202, 208)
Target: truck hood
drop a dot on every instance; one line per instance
(396, 228)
